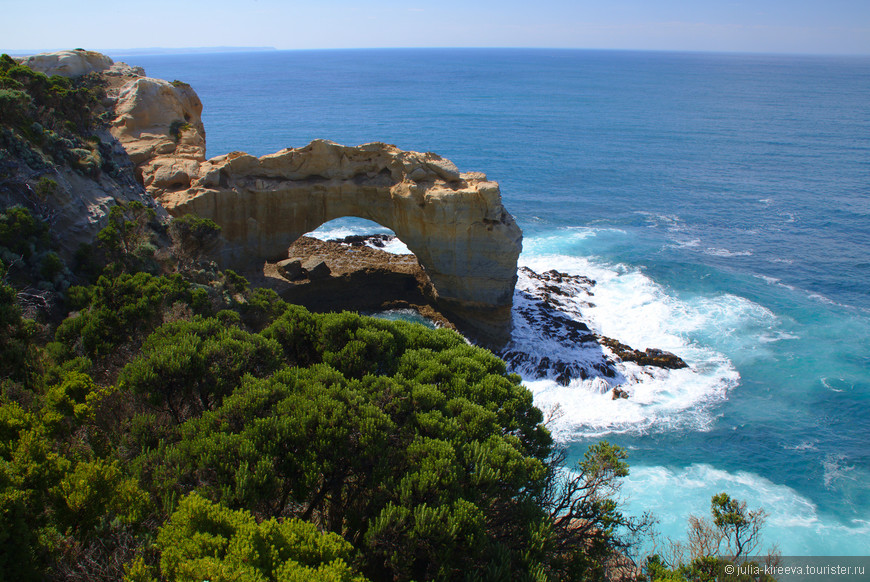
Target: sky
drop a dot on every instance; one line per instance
(764, 26)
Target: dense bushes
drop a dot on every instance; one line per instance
(56, 103)
(193, 238)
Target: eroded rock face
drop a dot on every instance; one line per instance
(454, 222)
(160, 126)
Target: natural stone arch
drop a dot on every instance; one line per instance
(453, 222)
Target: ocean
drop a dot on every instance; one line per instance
(721, 203)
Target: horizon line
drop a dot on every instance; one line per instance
(168, 51)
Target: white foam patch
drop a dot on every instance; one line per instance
(329, 231)
(794, 522)
(690, 243)
(775, 281)
(837, 384)
(671, 222)
(546, 244)
(731, 325)
(341, 229)
(717, 252)
(821, 299)
(396, 247)
(630, 307)
(837, 471)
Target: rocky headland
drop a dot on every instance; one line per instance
(463, 271)
(454, 222)
(86, 179)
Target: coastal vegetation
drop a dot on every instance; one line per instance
(160, 408)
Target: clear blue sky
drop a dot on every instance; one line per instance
(781, 26)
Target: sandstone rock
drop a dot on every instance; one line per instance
(73, 63)
(315, 268)
(159, 123)
(290, 269)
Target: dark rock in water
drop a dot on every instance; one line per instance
(549, 306)
(316, 268)
(619, 393)
(649, 357)
(291, 269)
(362, 240)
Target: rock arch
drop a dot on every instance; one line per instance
(453, 222)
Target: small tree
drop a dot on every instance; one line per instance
(127, 234)
(741, 528)
(193, 238)
(591, 535)
(734, 532)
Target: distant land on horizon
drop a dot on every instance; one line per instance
(154, 50)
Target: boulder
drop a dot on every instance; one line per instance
(618, 393)
(73, 63)
(290, 269)
(316, 268)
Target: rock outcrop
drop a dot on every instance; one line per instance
(79, 62)
(357, 277)
(552, 340)
(454, 222)
(74, 63)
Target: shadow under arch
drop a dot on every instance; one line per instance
(368, 269)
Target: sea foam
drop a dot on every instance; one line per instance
(627, 305)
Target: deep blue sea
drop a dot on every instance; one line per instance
(722, 204)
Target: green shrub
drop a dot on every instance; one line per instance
(129, 229)
(176, 127)
(195, 364)
(14, 105)
(205, 541)
(121, 309)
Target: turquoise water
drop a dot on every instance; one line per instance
(722, 204)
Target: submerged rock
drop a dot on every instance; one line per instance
(552, 340)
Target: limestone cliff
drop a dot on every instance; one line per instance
(454, 222)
